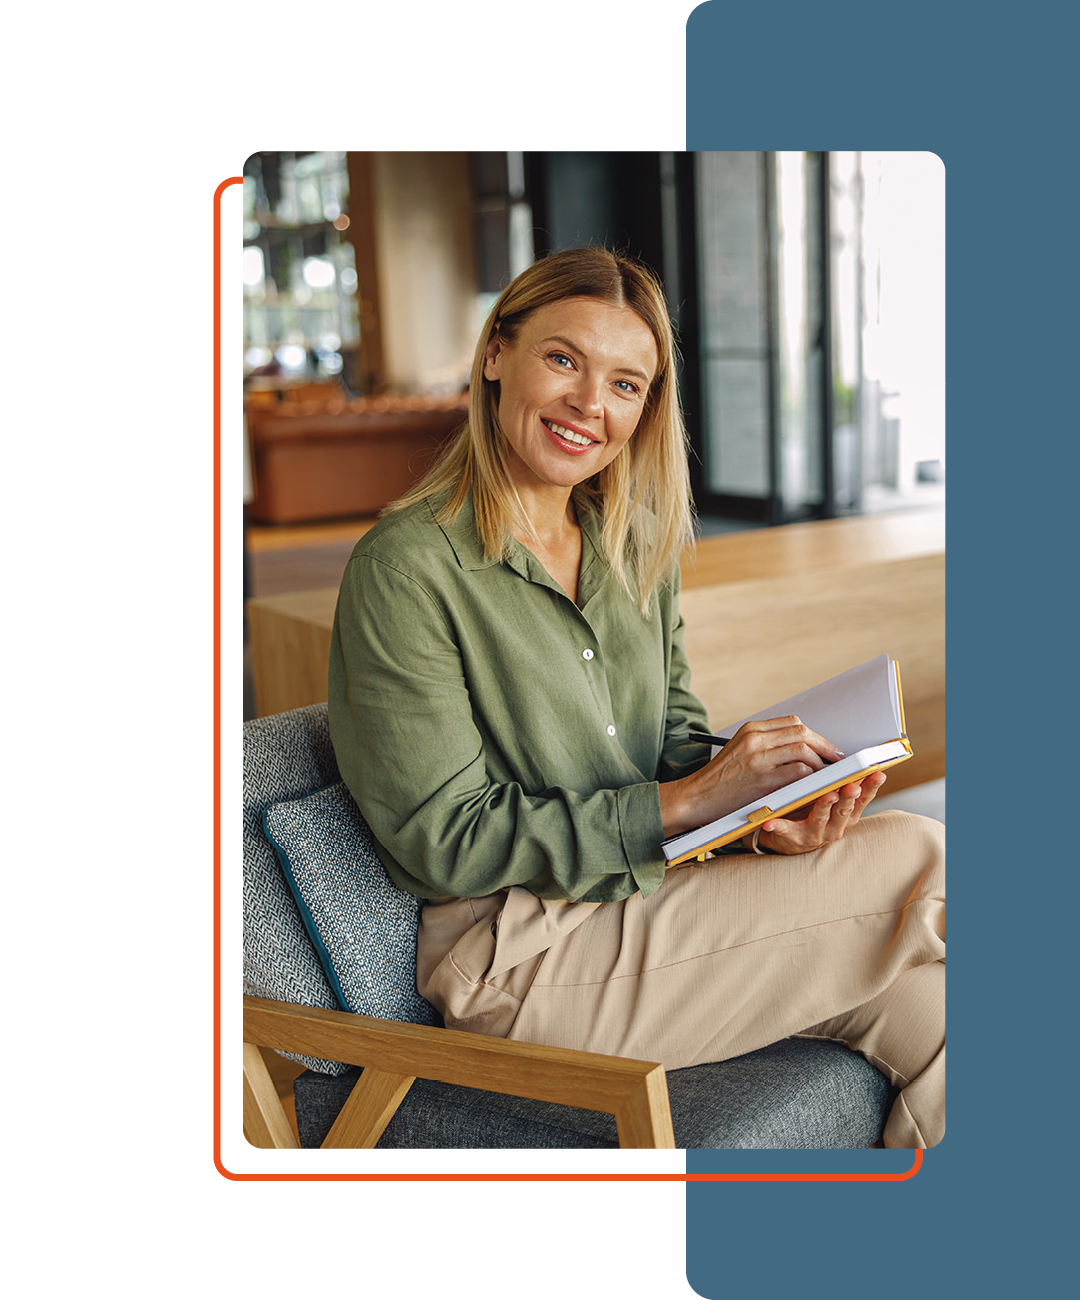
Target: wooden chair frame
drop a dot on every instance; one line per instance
(393, 1054)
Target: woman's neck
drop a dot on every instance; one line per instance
(549, 517)
(552, 533)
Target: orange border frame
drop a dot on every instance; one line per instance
(571, 1178)
(228, 658)
(228, 776)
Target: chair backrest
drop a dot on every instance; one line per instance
(286, 756)
(324, 925)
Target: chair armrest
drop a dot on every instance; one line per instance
(394, 1053)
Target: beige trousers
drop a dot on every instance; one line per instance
(846, 943)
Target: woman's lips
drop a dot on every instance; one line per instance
(569, 439)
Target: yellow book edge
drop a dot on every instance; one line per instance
(759, 815)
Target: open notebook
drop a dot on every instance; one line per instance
(861, 711)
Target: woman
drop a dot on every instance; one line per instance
(510, 706)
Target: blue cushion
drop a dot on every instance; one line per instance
(362, 926)
(286, 756)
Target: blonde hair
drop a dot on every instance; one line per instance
(643, 496)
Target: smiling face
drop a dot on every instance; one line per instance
(572, 388)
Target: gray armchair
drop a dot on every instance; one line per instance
(395, 1078)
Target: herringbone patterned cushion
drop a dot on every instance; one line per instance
(362, 925)
(285, 756)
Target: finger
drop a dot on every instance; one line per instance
(849, 799)
(839, 816)
(870, 786)
(815, 817)
(804, 833)
(769, 724)
(828, 819)
(823, 809)
(776, 764)
(789, 749)
(821, 745)
(788, 730)
(873, 784)
(854, 798)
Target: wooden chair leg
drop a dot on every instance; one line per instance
(370, 1107)
(644, 1118)
(265, 1122)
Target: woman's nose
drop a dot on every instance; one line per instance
(586, 396)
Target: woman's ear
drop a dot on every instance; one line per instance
(491, 357)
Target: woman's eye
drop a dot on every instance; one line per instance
(626, 386)
(559, 358)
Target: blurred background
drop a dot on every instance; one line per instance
(807, 289)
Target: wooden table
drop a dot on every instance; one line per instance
(769, 612)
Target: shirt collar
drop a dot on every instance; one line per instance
(462, 536)
(469, 550)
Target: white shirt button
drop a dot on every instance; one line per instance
(611, 730)
(586, 654)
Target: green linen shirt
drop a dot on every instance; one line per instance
(492, 732)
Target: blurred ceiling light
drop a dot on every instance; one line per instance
(349, 280)
(254, 357)
(341, 222)
(292, 356)
(318, 272)
(254, 267)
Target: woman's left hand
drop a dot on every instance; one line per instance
(822, 822)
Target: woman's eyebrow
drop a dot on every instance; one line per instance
(573, 347)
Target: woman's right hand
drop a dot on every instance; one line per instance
(760, 758)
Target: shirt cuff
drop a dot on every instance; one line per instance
(642, 830)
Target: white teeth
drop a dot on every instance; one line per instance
(569, 434)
